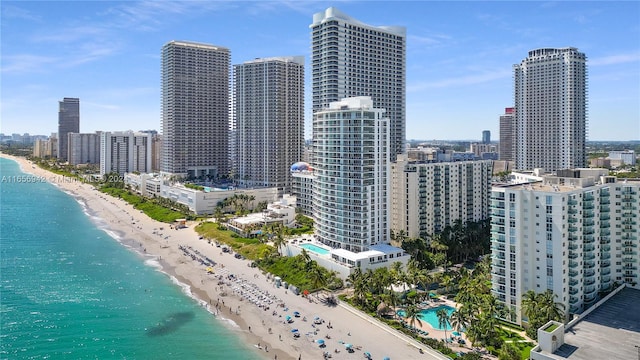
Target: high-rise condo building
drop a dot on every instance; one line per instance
(68, 122)
(507, 132)
(486, 137)
(269, 120)
(575, 234)
(84, 148)
(426, 197)
(195, 109)
(124, 152)
(351, 167)
(550, 101)
(350, 58)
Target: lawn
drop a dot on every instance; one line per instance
(250, 248)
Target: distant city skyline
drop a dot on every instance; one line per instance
(459, 57)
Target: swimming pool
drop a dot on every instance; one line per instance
(429, 315)
(316, 249)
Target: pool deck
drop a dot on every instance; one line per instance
(441, 334)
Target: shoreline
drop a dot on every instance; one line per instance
(240, 297)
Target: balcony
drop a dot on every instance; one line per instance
(588, 273)
(573, 273)
(573, 291)
(573, 247)
(573, 256)
(573, 264)
(573, 300)
(604, 272)
(573, 282)
(605, 264)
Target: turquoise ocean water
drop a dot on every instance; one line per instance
(69, 290)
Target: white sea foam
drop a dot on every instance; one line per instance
(186, 289)
(154, 263)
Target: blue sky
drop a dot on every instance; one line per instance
(459, 56)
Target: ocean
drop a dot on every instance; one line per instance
(70, 290)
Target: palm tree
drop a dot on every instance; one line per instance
(458, 319)
(278, 240)
(306, 258)
(443, 320)
(529, 304)
(317, 276)
(359, 284)
(549, 308)
(413, 314)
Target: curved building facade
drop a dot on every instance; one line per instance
(351, 167)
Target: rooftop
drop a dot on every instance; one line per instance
(611, 331)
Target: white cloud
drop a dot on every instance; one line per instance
(25, 63)
(460, 81)
(615, 59)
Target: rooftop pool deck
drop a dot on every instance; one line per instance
(314, 248)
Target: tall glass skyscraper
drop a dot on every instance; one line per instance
(350, 58)
(269, 120)
(195, 109)
(68, 122)
(550, 98)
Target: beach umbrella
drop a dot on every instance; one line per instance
(386, 358)
(348, 346)
(296, 313)
(320, 341)
(294, 330)
(288, 317)
(316, 318)
(367, 355)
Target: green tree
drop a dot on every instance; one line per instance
(443, 320)
(317, 276)
(509, 351)
(540, 309)
(412, 313)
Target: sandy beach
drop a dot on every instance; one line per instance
(242, 297)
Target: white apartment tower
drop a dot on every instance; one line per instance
(550, 101)
(427, 197)
(84, 148)
(350, 58)
(195, 109)
(351, 168)
(269, 120)
(574, 236)
(125, 151)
